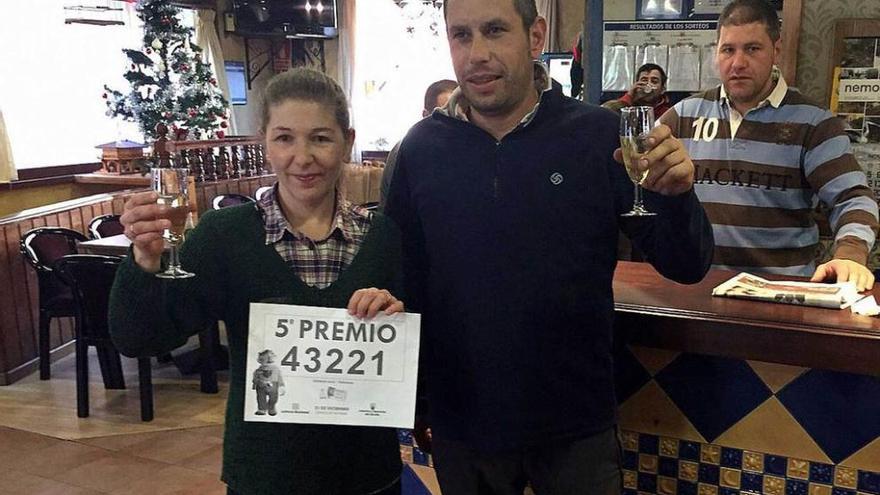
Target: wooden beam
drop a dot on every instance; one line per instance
(791, 32)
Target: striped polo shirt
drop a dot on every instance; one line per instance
(760, 175)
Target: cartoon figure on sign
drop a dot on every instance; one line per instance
(268, 383)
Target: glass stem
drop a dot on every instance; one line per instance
(174, 260)
(637, 202)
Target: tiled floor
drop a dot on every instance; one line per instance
(46, 450)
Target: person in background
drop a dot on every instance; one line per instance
(436, 96)
(649, 90)
(765, 154)
(509, 203)
(301, 244)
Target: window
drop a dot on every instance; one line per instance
(53, 78)
(400, 52)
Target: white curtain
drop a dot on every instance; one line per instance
(346, 57)
(7, 165)
(549, 9)
(207, 39)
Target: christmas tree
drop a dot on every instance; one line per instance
(170, 83)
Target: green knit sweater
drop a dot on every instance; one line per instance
(234, 267)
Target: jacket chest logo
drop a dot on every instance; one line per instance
(556, 178)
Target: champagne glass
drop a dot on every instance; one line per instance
(171, 184)
(635, 125)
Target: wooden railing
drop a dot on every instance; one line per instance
(212, 159)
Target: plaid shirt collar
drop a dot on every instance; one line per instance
(344, 223)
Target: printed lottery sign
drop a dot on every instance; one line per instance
(322, 366)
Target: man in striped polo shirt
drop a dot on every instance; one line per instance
(764, 154)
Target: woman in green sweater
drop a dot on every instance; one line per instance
(301, 244)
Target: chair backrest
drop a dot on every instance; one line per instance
(105, 226)
(91, 278)
(259, 193)
(232, 199)
(43, 246)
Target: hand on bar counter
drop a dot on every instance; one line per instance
(841, 270)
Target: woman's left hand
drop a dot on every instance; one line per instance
(366, 303)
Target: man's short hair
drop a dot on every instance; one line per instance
(648, 68)
(526, 9)
(741, 12)
(435, 90)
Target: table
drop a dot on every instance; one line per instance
(116, 245)
(655, 312)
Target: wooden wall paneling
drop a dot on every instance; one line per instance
(13, 336)
(94, 211)
(64, 220)
(76, 220)
(210, 192)
(107, 208)
(118, 205)
(27, 302)
(200, 200)
(52, 220)
(97, 211)
(7, 301)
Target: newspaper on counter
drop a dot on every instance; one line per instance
(748, 286)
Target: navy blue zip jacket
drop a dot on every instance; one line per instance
(509, 253)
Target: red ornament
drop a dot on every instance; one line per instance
(224, 125)
(168, 115)
(213, 81)
(104, 96)
(133, 67)
(149, 51)
(192, 112)
(221, 134)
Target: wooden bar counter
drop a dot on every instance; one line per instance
(656, 312)
(721, 396)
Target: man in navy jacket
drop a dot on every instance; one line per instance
(509, 202)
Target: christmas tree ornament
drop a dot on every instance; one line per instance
(169, 83)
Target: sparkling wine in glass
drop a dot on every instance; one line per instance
(635, 125)
(171, 184)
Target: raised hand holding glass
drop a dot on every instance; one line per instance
(635, 126)
(171, 184)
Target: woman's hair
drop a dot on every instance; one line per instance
(305, 85)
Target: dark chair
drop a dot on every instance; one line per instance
(224, 200)
(42, 247)
(260, 192)
(105, 226)
(91, 278)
